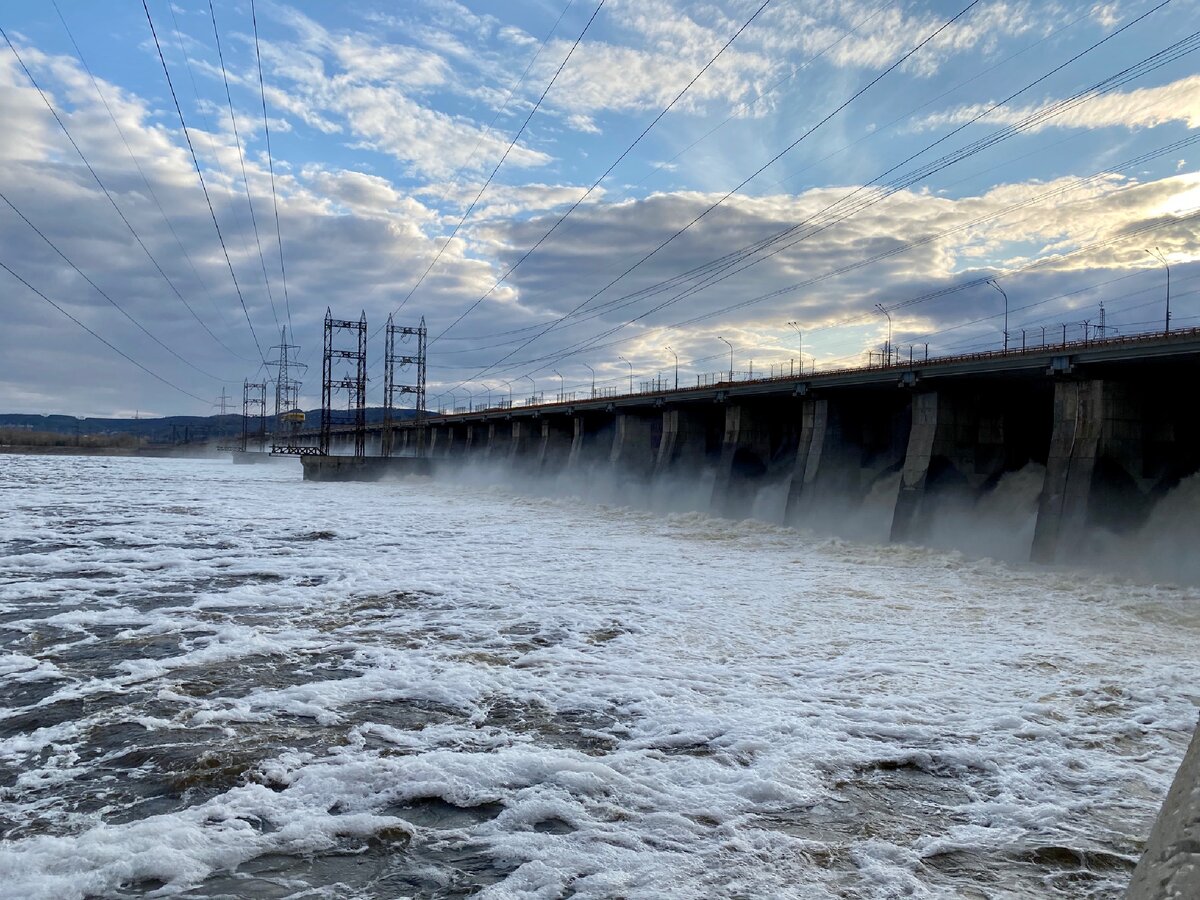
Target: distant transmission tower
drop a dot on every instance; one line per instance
(287, 385)
(412, 356)
(222, 404)
(254, 406)
(355, 385)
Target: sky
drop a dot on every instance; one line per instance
(569, 187)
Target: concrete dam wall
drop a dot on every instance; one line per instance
(1105, 449)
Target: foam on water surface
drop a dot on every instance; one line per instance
(223, 682)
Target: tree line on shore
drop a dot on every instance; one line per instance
(24, 437)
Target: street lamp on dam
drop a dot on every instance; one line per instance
(1158, 254)
(628, 363)
(888, 346)
(992, 282)
(795, 326)
(730, 355)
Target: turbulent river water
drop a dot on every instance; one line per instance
(222, 681)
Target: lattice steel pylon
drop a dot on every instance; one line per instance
(355, 386)
(254, 406)
(287, 386)
(403, 361)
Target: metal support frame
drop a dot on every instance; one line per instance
(392, 361)
(287, 386)
(254, 406)
(355, 386)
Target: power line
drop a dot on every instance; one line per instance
(504, 105)
(742, 107)
(98, 290)
(203, 186)
(508, 149)
(110, 346)
(558, 356)
(896, 64)
(595, 184)
(700, 270)
(271, 165)
(237, 139)
(137, 165)
(110, 197)
(721, 272)
(1191, 216)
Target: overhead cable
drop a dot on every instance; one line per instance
(62, 125)
(110, 346)
(237, 139)
(196, 162)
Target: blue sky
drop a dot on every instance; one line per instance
(387, 118)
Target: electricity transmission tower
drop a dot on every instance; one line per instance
(287, 384)
(354, 385)
(411, 356)
(222, 404)
(254, 406)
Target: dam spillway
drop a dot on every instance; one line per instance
(1109, 426)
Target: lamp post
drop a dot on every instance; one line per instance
(593, 371)
(888, 346)
(800, 343)
(730, 357)
(628, 363)
(1157, 254)
(470, 400)
(992, 282)
(508, 384)
(532, 384)
(488, 401)
(676, 355)
(562, 388)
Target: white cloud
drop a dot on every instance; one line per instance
(1148, 107)
(350, 82)
(359, 239)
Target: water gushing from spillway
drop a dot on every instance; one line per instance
(421, 688)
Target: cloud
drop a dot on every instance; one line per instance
(358, 234)
(863, 36)
(374, 92)
(1178, 101)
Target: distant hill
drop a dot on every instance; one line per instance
(168, 429)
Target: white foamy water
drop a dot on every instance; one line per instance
(221, 681)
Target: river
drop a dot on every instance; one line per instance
(222, 681)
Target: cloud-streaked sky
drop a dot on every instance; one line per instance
(918, 149)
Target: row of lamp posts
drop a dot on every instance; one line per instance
(1156, 253)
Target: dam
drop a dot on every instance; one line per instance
(1111, 423)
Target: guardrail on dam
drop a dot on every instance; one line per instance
(1112, 422)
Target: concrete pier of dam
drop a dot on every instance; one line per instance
(1170, 866)
(1112, 424)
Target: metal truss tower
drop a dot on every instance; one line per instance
(412, 356)
(355, 386)
(254, 406)
(287, 385)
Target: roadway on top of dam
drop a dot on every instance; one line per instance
(1058, 358)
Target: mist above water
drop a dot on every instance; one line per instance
(996, 522)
